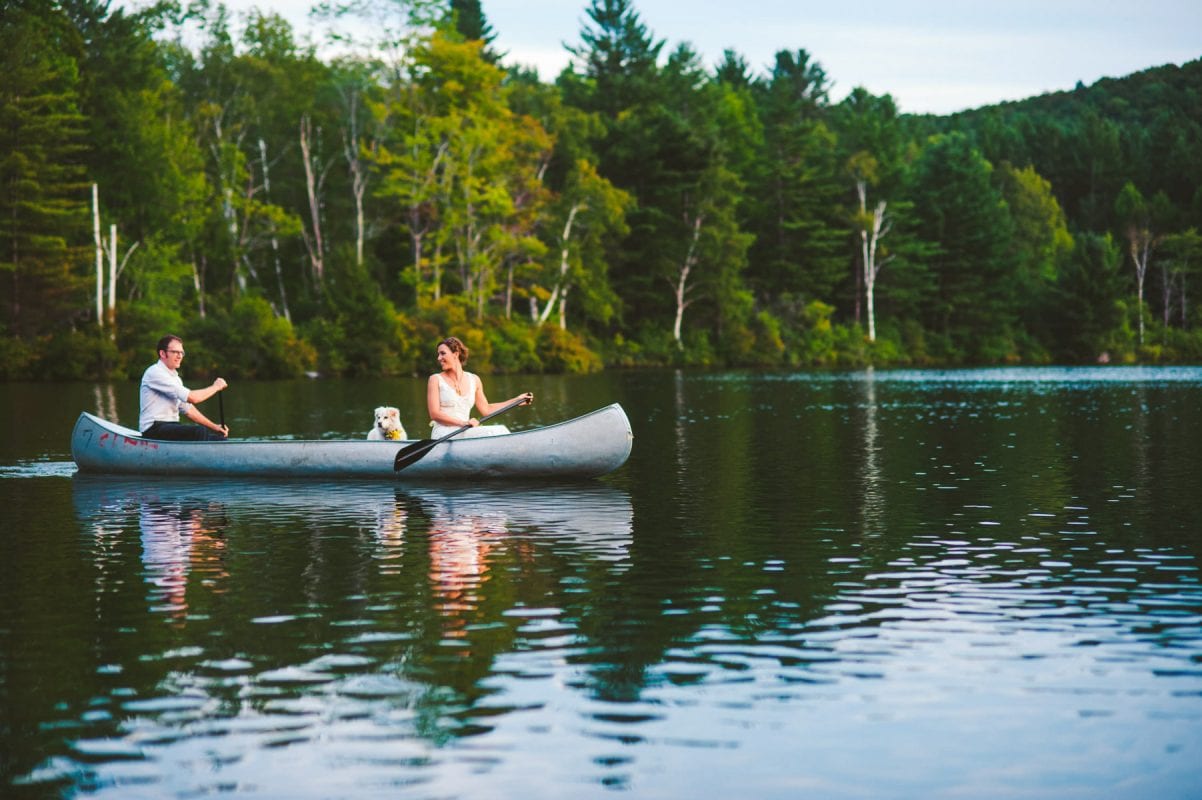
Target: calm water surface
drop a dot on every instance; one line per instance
(901, 584)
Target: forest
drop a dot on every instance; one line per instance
(179, 170)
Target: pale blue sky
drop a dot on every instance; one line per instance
(933, 56)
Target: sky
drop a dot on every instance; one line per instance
(932, 56)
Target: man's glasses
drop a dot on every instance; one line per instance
(175, 353)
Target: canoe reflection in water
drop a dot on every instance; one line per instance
(186, 527)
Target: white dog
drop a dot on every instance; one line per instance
(388, 424)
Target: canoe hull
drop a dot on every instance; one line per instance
(584, 447)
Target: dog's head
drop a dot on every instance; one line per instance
(388, 422)
(388, 419)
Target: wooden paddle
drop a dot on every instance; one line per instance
(415, 452)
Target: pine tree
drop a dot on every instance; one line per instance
(958, 209)
(44, 271)
(800, 240)
(617, 59)
(470, 22)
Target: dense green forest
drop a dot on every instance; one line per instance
(177, 170)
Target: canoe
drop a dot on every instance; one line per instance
(584, 447)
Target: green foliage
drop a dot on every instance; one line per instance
(17, 358)
(887, 350)
(769, 347)
(42, 185)
(1178, 345)
(958, 209)
(359, 332)
(512, 347)
(288, 214)
(142, 325)
(469, 21)
(563, 351)
(619, 56)
(248, 342)
(76, 354)
(795, 188)
(1088, 307)
(1037, 249)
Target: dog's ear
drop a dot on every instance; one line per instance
(395, 414)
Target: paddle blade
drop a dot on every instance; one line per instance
(412, 453)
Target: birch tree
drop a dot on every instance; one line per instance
(682, 289)
(96, 240)
(871, 227)
(590, 212)
(467, 171)
(1142, 240)
(705, 251)
(697, 198)
(360, 140)
(275, 239)
(106, 249)
(315, 179)
(1183, 255)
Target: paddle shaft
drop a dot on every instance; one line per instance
(221, 408)
(414, 452)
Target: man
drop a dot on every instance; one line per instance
(164, 395)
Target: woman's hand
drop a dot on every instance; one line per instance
(528, 397)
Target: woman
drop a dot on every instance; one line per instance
(450, 395)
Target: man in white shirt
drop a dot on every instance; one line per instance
(164, 396)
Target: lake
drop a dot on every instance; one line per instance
(900, 584)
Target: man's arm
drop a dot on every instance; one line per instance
(200, 395)
(193, 413)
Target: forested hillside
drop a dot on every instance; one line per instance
(182, 171)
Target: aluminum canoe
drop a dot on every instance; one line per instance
(584, 447)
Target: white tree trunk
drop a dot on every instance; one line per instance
(879, 228)
(316, 247)
(198, 283)
(111, 306)
(561, 285)
(1142, 243)
(1167, 285)
(275, 240)
(350, 149)
(869, 243)
(420, 225)
(99, 255)
(681, 288)
(231, 216)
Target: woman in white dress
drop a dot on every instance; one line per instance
(451, 394)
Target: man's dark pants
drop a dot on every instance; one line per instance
(179, 432)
